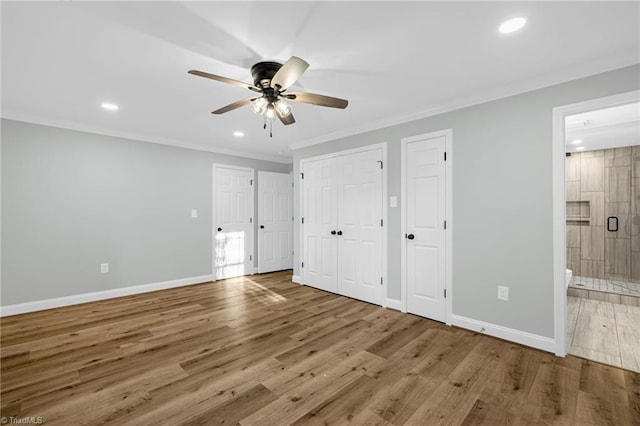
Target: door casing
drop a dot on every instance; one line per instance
(559, 205)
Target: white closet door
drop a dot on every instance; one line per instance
(320, 219)
(360, 226)
(233, 252)
(425, 215)
(275, 224)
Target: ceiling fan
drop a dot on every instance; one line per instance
(271, 81)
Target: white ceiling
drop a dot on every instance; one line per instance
(393, 61)
(604, 128)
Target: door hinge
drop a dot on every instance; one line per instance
(381, 222)
(380, 280)
(303, 264)
(381, 164)
(303, 220)
(251, 182)
(250, 257)
(445, 293)
(301, 175)
(250, 220)
(445, 156)
(445, 224)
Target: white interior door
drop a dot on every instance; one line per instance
(275, 228)
(360, 226)
(425, 209)
(233, 222)
(319, 228)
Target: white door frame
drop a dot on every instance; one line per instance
(448, 135)
(214, 213)
(558, 151)
(383, 146)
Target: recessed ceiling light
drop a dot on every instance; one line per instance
(238, 134)
(576, 142)
(512, 25)
(580, 148)
(109, 107)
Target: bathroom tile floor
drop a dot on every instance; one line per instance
(604, 332)
(608, 286)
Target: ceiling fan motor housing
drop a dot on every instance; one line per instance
(263, 72)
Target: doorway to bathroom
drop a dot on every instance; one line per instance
(602, 205)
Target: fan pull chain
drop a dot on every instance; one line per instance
(264, 126)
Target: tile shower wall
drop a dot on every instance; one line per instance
(602, 184)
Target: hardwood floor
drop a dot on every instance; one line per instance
(261, 350)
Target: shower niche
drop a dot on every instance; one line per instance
(578, 212)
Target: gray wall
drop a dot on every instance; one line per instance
(72, 200)
(502, 198)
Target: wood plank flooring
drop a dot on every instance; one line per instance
(262, 351)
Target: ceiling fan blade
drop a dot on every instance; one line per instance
(286, 120)
(289, 73)
(233, 106)
(224, 79)
(322, 100)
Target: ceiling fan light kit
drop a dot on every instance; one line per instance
(272, 80)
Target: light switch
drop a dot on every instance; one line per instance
(194, 213)
(104, 268)
(503, 293)
(393, 201)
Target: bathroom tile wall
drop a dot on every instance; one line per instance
(602, 184)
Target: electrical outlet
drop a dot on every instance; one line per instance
(503, 293)
(104, 268)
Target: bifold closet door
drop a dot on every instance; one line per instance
(360, 226)
(319, 227)
(275, 222)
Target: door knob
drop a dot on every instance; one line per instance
(410, 236)
(333, 232)
(261, 226)
(339, 232)
(219, 229)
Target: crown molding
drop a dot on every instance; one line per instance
(70, 125)
(540, 82)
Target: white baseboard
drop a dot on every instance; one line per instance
(524, 338)
(297, 279)
(393, 304)
(39, 305)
